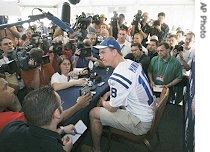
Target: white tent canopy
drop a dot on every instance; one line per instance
(179, 13)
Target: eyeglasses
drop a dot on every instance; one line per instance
(62, 102)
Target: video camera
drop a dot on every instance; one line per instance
(25, 54)
(10, 67)
(82, 21)
(85, 50)
(178, 48)
(96, 19)
(57, 47)
(114, 20)
(137, 18)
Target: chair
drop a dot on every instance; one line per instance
(153, 130)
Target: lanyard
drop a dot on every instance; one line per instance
(165, 68)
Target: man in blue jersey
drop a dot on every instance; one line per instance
(129, 104)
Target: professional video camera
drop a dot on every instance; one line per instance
(178, 48)
(10, 67)
(57, 47)
(82, 21)
(114, 20)
(96, 19)
(85, 50)
(24, 55)
(137, 18)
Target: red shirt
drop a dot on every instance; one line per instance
(45, 75)
(7, 117)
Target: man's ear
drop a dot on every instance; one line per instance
(57, 114)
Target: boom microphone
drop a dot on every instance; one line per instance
(57, 21)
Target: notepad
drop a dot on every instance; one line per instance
(157, 88)
(80, 128)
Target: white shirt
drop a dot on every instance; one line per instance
(129, 87)
(57, 78)
(4, 60)
(188, 56)
(125, 48)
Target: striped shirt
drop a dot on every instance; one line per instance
(129, 87)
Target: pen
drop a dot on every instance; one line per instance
(78, 133)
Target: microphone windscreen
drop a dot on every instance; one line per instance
(96, 64)
(66, 11)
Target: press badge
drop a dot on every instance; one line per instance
(160, 78)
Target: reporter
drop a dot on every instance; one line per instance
(40, 133)
(7, 97)
(8, 54)
(63, 78)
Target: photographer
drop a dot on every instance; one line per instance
(8, 54)
(164, 27)
(172, 40)
(141, 26)
(9, 70)
(156, 30)
(136, 26)
(57, 49)
(83, 55)
(28, 33)
(184, 54)
(99, 22)
(117, 22)
(38, 73)
(96, 21)
(81, 25)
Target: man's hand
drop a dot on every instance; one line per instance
(31, 62)
(67, 142)
(77, 53)
(84, 100)
(69, 129)
(152, 84)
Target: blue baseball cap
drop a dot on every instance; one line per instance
(109, 42)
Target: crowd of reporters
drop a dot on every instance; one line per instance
(29, 58)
